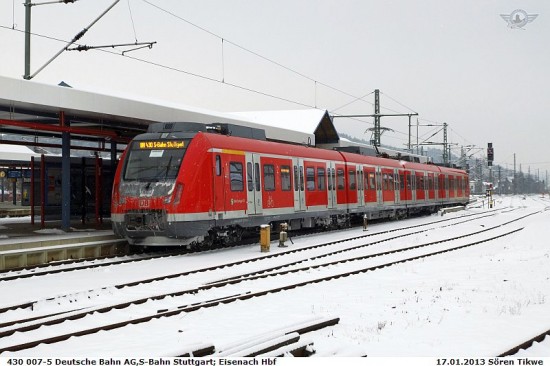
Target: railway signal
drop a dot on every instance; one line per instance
(490, 154)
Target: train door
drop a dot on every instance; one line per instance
(299, 193)
(412, 176)
(406, 186)
(396, 187)
(379, 193)
(351, 186)
(253, 184)
(360, 186)
(331, 177)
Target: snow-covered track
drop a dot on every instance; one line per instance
(81, 264)
(207, 304)
(454, 221)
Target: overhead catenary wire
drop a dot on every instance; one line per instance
(132, 19)
(175, 69)
(249, 50)
(75, 38)
(401, 104)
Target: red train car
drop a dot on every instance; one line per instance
(182, 181)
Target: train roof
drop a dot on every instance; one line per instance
(268, 147)
(233, 143)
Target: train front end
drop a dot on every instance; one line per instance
(148, 186)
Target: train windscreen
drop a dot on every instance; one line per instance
(155, 161)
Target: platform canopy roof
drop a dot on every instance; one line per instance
(31, 108)
(307, 121)
(14, 153)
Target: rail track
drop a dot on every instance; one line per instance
(208, 299)
(542, 337)
(93, 263)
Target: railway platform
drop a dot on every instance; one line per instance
(23, 244)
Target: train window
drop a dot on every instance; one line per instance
(402, 181)
(148, 165)
(257, 176)
(396, 181)
(352, 182)
(236, 176)
(372, 181)
(269, 177)
(333, 173)
(301, 178)
(295, 178)
(330, 180)
(360, 180)
(340, 179)
(366, 181)
(218, 165)
(285, 178)
(310, 178)
(249, 177)
(321, 184)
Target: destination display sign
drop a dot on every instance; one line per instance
(169, 144)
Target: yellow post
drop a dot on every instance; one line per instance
(265, 237)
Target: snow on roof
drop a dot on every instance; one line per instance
(34, 96)
(16, 152)
(301, 120)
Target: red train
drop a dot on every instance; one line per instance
(187, 181)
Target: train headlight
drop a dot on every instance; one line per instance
(118, 199)
(178, 192)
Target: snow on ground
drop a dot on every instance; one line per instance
(478, 301)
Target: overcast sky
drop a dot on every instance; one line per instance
(451, 61)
